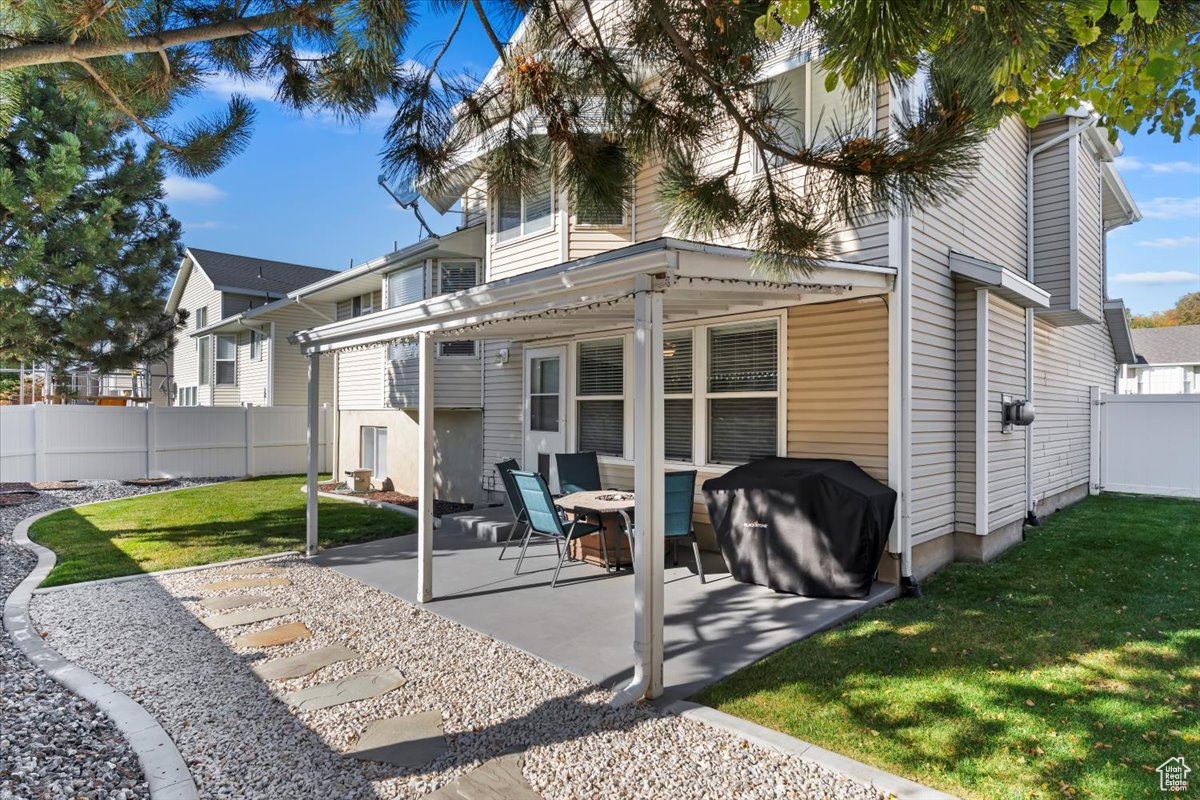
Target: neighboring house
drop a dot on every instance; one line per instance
(1168, 361)
(899, 353)
(375, 395)
(234, 349)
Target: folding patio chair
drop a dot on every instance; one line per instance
(520, 518)
(578, 472)
(679, 490)
(544, 519)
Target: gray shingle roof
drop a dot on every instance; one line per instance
(1176, 345)
(255, 275)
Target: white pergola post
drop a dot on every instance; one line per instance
(649, 508)
(314, 445)
(425, 469)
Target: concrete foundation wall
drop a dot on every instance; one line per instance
(458, 448)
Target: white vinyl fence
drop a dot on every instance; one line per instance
(51, 442)
(1146, 444)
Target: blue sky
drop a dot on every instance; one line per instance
(305, 191)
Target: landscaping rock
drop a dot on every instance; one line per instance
(232, 601)
(411, 740)
(246, 617)
(359, 686)
(304, 663)
(273, 637)
(498, 779)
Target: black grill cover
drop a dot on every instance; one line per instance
(807, 526)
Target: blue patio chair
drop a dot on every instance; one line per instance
(544, 519)
(520, 518)
(578, 472)
(679, 491)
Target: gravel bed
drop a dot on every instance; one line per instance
(52, 744)
(145, 638)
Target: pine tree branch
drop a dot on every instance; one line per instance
(126, 110)
(62, 52)
(487, 27)
(90, 19)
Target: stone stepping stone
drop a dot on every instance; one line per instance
(498, 779)
(244, 583)
(254, 571)
(359, 686)
(246, 617)
(408, 741)
(232, 601)
(281, 634)
(305, 663)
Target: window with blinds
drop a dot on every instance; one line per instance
(457, 347)
(454, 276)
(226, 360)
(519, 213)
(406, 286)
(677, 405)
(606, 215)
(743, 391)
(600, 396)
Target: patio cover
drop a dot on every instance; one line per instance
(646, 284)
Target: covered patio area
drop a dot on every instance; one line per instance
(704, 631)
(710, 630)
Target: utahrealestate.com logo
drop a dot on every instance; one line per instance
(1172, 775)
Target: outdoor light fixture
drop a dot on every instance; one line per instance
(502, 357)
(1015, 411)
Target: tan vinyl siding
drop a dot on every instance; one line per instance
(525, 254)
(198, 292)
(455, 382)
(837, 388)
(1052, 215)
(502, 409)
(474, 204)
(588, 240)
(966, 301)
(1067, 362)
(289, 364)
(1006, 451)
(985, 220)
(360, 378)
(252, 373)
(1091, 235)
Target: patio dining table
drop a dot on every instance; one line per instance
(609, 506)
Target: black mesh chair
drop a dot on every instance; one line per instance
(520, 515)
(578, 472)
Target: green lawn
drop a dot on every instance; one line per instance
(1069, 668)
(200, 526)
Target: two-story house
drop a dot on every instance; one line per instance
(903, 353)
(376, 388)
(234, 349)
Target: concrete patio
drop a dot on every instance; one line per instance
(585, 625)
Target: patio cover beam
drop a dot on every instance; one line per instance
(312, 441)
(425, 468)
(649, 501)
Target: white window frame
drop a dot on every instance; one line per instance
(700, 392)
(576, 398)
(626, 202)
(186, 396)
(201, 315)
(421, 268)
(688, 395)
(204, 355)
(359, 308)
(704, 396)
(380, 454)
(218, 360)
(441, 350)
(808, 66)
(256, 344)
(506, 238)
(455, 262)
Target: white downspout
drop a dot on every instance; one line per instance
(908, 584)
(1072, 130)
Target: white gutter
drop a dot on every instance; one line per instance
(1071, 131)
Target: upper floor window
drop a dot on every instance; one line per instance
(522, 212)
(256, 342)
(406, 286)
(454, 276)
(203, 353)
(808, 115)
(603, 216)
(201, 317)
(361, 305)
